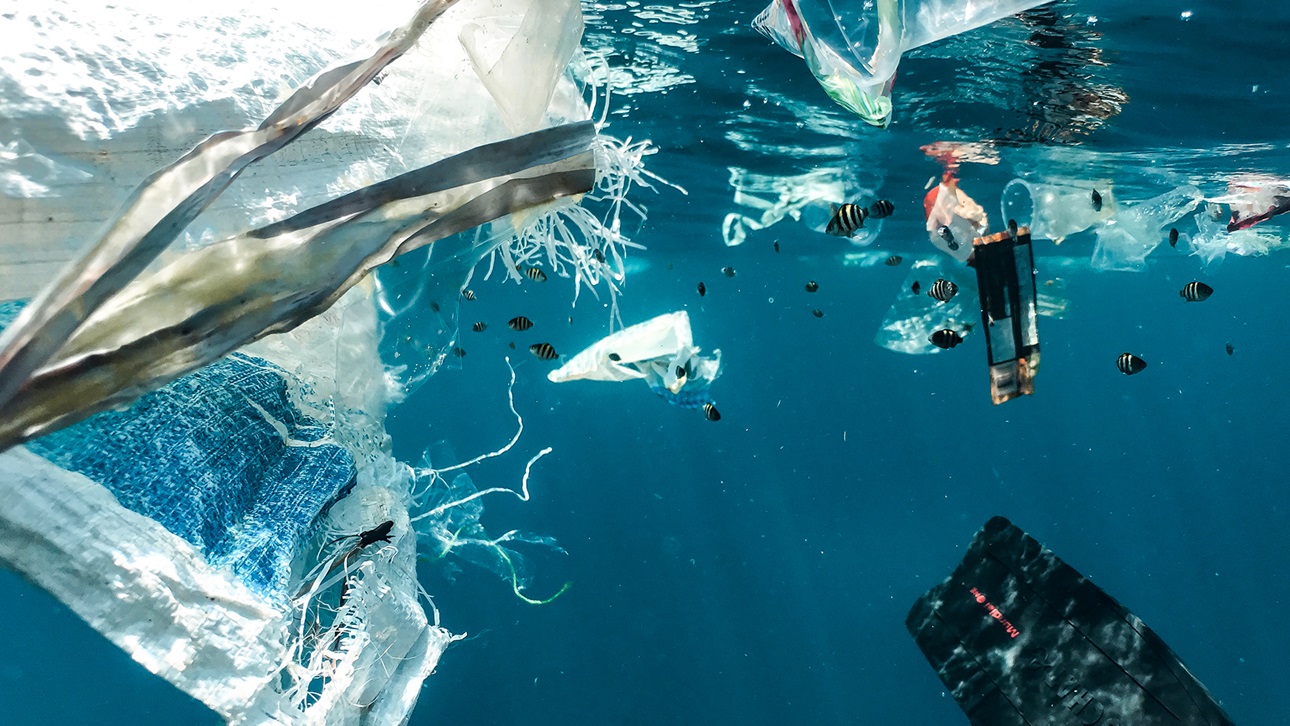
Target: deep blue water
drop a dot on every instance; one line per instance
(759, 569)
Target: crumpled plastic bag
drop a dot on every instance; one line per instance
(1125, 240)
(853, 48)
(654, 351)
(1056, 209)
(948, 206)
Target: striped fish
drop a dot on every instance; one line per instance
(1196, 292)
(881, 208)
(519, 322)
(535, 274)
(812, 286)
(459, 352)
(818, 313)
(479, 327)
(846, 220)
(1129, 364)
(945, 339)
(600, 256)
(710, 412)
(894, 260)
(943, 290)
(468, 294)
(728, 271)
(544, 351)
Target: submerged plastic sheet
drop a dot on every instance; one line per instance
(766, 200)
(854, 46)
(653, 351)
(181, 527)
(1125, 240)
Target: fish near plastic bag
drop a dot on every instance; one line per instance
(953, 219)
(854, 48)
(1125, 240)
(1056, 210)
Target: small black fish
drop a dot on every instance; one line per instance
(468, 294)
(479, 327)
(544, 351)
(945, 339)
(894, 260)
(1012, 228)
(434, 307)
(703, 289)
(1097, 201)
(914, 288)
(519, 322)
(1196, 292)
(1129, 364)
(846, 220)
(379, 533)
(615, 357)
(571, 320)
(818, 313)
(943, 290)
(945, 234)
(710, 412)
(881, 208)
(680, 373)
(535, 274)
(1173, 236)
(1230, 349)
(812, 286)
(600, 256)
(728, 271)
(512, 344)
(777, 245)
(459, 352)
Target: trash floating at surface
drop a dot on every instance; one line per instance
(1124, 241)
(1056, 209)
(652, 351)
(953, 218)
(854, 54)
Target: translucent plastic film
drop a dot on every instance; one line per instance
(854, 46)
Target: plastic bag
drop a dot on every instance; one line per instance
(853, 47)
(1125, 240)
(1056, 210)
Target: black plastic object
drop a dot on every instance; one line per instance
(1019, 637)
(1005, 273)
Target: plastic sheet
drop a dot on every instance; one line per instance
(654, 351)
(853, 48)
(809, 198)
(1124, 241)
(181, 526)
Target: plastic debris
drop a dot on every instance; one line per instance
(659, 351)
(1055, 210)
(853, 50)
(953, 219)
(1125, 240)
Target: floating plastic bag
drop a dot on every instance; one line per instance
(808, 197)
(1125, 240)
(660, 351)
(953, 219)
(1056, 210)
(854, 46)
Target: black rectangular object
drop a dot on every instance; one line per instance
(1021, 638)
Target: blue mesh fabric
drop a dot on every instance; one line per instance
(200, 459)
(693, 395)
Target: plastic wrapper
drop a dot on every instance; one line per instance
(654, 351)
(853, 48)
(1056, 210)
(1125, 240)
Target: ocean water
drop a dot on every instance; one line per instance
(758, 569)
